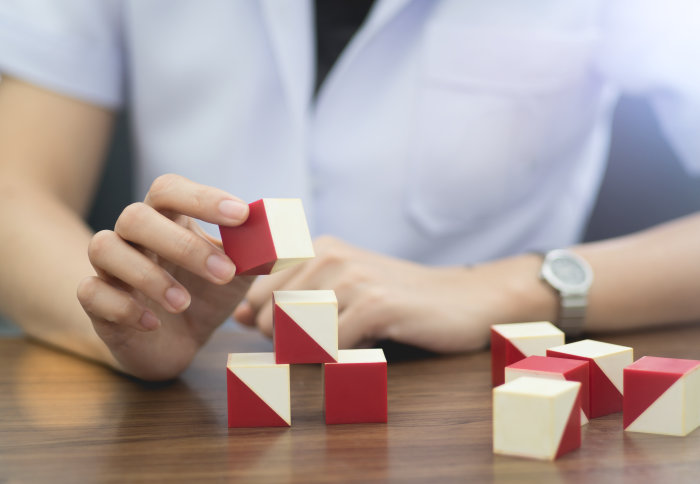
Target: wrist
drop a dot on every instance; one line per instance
(525, 297)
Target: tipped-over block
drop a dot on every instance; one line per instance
(274, 237)
(555, 369)
(606, 362)
(305, 326)
(662, 396)
(537, 418)
(513, 342)
(258, 391)
(355, 388)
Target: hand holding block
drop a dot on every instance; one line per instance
(305, 326)
(258, 391)
(536, 417)
(606, 362)
(274, 237)
(555, 369)
(662, 396)
(355, 388)
(513, 342)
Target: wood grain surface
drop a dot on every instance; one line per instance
(65, 420)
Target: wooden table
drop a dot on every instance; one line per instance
(65, 420)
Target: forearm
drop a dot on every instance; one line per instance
(648, 278)
(43, 256)
(643, 279)
(50, 152)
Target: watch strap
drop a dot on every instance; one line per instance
(572, 305)
(572, 311)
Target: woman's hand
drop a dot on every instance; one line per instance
(443, 309)
(162, 284)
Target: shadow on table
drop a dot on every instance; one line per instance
(396, 352)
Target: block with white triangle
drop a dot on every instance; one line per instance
(536, 417)
(274, 237)
(555, 369)
(662, 396)
(258, 391)
(355, 388)
(606, 362)
(513, 342)
(305, 326)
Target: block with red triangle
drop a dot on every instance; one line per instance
(355, 388)
(513, 342)
(305, 326)
(537, 417)
(258, 391)
(662, 396)
(555, 369)
(606, 363)
(275, 236)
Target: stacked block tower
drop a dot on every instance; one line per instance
(305, 323)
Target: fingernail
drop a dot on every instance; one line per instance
(220, 267)
(233, 209)
(176, 297)
(149, 321)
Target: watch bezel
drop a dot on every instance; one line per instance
(565, 287)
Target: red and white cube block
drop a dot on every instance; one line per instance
(555, 369)
(606, 362)
(662, 396)
(537, 418)
(305, 326)
(513, 342)
(258, 391)
(275, 236)
(355, 388)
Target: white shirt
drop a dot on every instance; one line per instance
(448, 132)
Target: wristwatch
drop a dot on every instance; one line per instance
(571, 276)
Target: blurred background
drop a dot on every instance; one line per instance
(644, 184)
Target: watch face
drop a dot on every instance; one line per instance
(568, 271)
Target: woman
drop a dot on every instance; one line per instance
(446, 134)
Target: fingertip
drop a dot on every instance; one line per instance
(178, 299)
(234, 210)
(221, 267)
(149, 321)
(266, 330)
(244, 313)
(85, 289)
